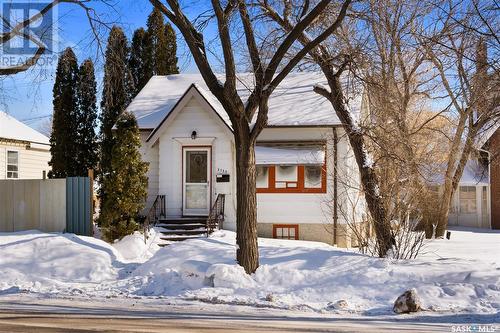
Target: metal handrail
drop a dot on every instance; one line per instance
(157, 210)
(215, 218)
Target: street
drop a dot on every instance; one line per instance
(27, 314)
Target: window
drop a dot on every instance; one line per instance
(286, 176)
(196, 166)
(291, 179)
(262, 176)
(467, 198)
(12, 164)
(286, 231)
(312, 176)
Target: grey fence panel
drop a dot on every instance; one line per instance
(78, 206)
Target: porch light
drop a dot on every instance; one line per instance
(193, 135)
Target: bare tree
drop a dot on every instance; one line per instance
(22, 30)
(457, 47)
(334, 59)
(268, 73)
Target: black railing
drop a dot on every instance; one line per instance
(216, 216)
(159, 209)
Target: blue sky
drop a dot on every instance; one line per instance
(28, 96)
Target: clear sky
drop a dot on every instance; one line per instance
(28, 96)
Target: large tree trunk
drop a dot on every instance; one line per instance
(369, 179)
(247, 253)
(370, 185)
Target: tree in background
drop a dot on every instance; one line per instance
(153, 52)
(140, 61)
(170, 50)
(116, 95)
(157, 42)
(63, 147)
(127, 179)
(86, 138)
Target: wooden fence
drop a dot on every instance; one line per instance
(49, 205)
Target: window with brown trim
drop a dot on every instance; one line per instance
(291, 179)
(286, 231)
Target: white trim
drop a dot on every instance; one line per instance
(198, 212)
(195, 142)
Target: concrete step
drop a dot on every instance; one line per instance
(184, 226)
(182, 220)
(199, 231)
(178, 238)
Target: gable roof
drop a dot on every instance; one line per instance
(293, 103)
(192, 92)
(13, 129)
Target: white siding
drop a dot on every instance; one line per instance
(32, 162)
(298, 208)
(194, 117)
(150, 155)
(165, 157)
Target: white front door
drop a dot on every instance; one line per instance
(197, 163)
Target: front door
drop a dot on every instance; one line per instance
(196, 180)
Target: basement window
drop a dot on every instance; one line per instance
(286, 231)
(12, 164)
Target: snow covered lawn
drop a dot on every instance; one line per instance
(457, 275)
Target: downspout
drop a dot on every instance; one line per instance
(335, 193)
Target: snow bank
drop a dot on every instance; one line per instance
(43, 262)
(454, 275)
(133, 248)
(313, 275)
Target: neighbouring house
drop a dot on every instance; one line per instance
(470, 205)
(24, 152)
(476, 202)
(488, 146)
(187, 140)
(493, 147)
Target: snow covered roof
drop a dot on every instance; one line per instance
(293, 103)
(486, 134)
(474, 174)
(289, 155)
(13, 129)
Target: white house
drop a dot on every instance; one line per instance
(24, 152)
(187, 140)
(470, 205)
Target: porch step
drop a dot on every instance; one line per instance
(199, 231)
(182, 220)
(178, 238)
(175, 229)
(181, 226)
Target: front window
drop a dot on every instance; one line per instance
(12, 164)
(467, 198)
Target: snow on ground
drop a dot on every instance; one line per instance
(457, 275)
